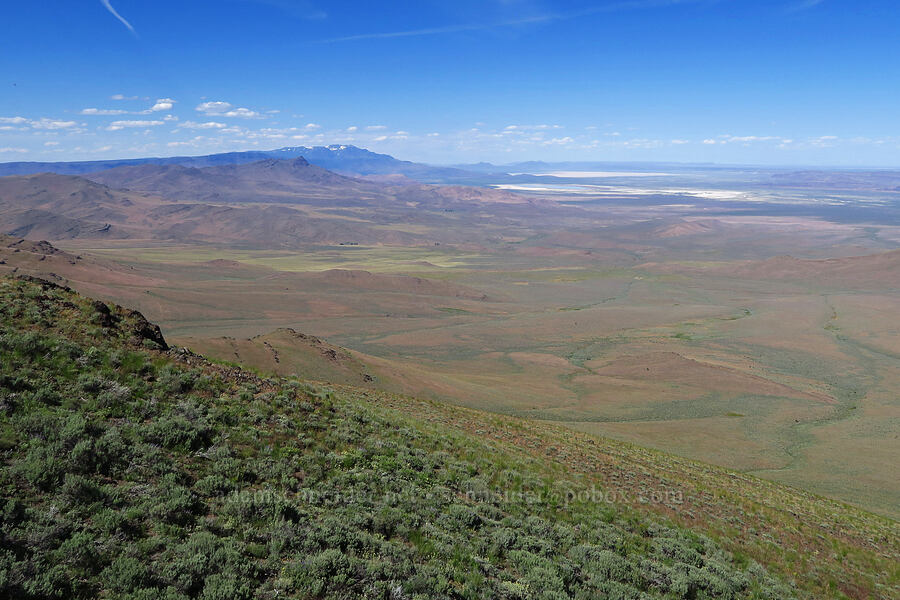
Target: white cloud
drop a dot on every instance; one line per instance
(46, 123)
(376, 128)
(559, 141)
(748, 138)
(48, 144)
(103, 111)
(352, 128)
(710, 142)
(122, 97)
(642, 143)
(312, 126)
(13, 120)
(824, 141)
(117, 125)
(206, 125)
(163, 104)
(213, 108)
(380, 138)
(434, 135)
(225, 109)
(15, 150)
(680, 142)
(245, 113)
(540, 127)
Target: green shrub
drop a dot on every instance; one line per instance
(127, 475)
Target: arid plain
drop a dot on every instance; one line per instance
(744, 319)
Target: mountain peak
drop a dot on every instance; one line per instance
(276, 163)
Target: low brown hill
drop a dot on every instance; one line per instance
(53, 206)
(41, 259)
(286, 352)
(683, 228)
(293, 181)
(264, 181)
(61, 207)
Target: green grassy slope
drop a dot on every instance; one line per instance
(130, 472)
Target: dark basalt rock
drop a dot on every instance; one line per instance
(45, 284)
(145, 330)
(105, 317)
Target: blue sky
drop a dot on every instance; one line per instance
(730, 81)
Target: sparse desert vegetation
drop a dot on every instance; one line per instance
(131, 472)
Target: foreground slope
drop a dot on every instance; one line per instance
(130, 472)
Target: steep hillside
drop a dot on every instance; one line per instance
(132, 472)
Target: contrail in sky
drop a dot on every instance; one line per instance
(620, 5)
(118, 16)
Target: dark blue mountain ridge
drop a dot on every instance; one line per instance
(340, 158)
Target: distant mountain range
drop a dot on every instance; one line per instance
(267, 203)
(340, 158)
(355, 161)
(345, 159)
